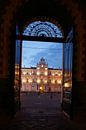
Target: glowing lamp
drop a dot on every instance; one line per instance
(41, 88)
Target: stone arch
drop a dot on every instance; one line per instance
(76, 15)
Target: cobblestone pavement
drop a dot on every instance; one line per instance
(41, 113)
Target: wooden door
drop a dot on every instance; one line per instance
(17, 80)
(67, 75)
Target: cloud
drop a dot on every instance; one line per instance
(51, 52)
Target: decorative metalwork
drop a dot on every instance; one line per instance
(42, 29)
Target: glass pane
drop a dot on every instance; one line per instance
(68, 47)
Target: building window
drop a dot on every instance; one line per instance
(38, 73)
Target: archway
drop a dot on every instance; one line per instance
(6, 28)
(51, 33)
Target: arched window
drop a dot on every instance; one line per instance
(42, 29)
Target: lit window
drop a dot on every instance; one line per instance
(16, 66)
(23, 80)
(24, 72)
(59, 74)
(66, 85)
(41, 65)
(38, 68)
(38, 73)
(38, 80)
(53, 81)
(46, 73)
(46, 68)
(45, 81)
(16, 73)
(53, 74)
(30, 80)
(59, 81)
(30, 73)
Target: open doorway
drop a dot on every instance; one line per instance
(58, 79)
(41, 76)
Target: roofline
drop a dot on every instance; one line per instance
(36, 67)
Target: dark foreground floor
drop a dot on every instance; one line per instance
(41, 112)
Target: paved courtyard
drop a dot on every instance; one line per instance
(41, 112)
(44, 103)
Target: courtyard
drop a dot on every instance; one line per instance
(41, 111)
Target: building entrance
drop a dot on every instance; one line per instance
(48, 79)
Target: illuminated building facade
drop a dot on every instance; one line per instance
(41, 78)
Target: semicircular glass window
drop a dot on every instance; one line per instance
(42, 29)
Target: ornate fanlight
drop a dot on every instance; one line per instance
(42, 29)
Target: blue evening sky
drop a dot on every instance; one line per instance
(33, 51)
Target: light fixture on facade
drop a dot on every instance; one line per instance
(41, 88)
